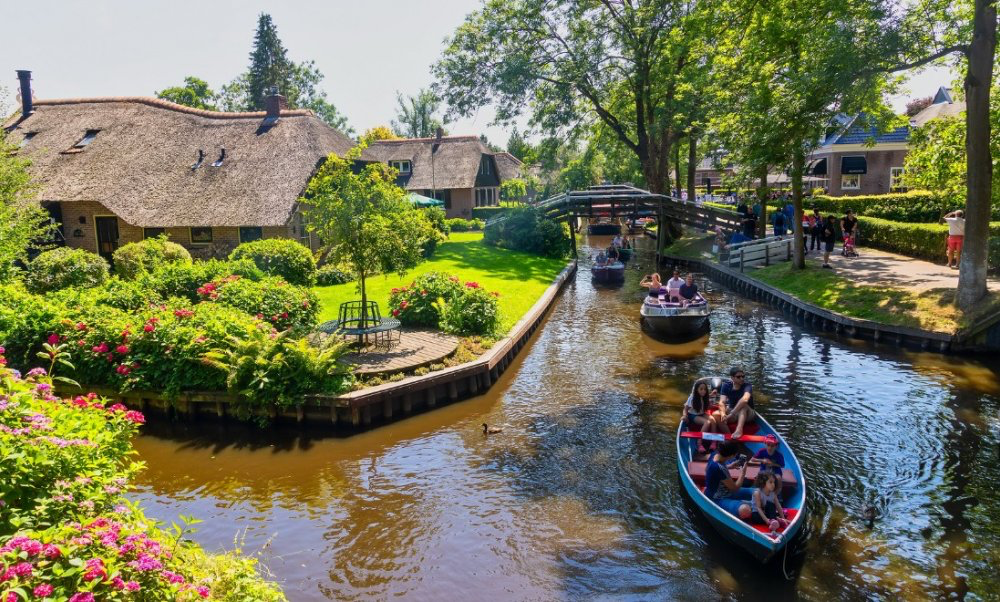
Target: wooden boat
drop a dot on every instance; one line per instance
(611, 273)
(672, 319)
(624, 254)
(604, 226)
(755, 539)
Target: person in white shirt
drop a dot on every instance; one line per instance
(617, 242)
(674, 284)
(956, 235)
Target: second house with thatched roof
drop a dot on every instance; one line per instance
(117, 170)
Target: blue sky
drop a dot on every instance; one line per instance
(367, 50)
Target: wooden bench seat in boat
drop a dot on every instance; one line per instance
(696, 468)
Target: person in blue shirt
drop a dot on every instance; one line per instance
(736, 402)
(779, 223)
(770, 459)
(719, 484)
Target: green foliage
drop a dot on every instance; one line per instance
(283, 305)
(264, 369)
(183, 280)
(912, 206)
(194, 93)
(23, 224)
(415, 305)
(364, 219)
(331, 274)
(926, 241)
(474, 312)
(583, 171)
(126, 294)
(279, 257)
(415, 117)
(458, 224)
(379, 132)
(67, 526)
(525, 229)
(137, 258)
(437, 217)
(65, 267)
(521, 148)
(513, 189)
(485, 213)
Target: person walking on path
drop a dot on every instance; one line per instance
(849, 228)
(829, 237)
(816, 230)
(956, 235)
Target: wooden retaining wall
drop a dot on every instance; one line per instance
(383, 402)
(824, 320)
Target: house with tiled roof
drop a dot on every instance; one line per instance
(856, 158)
(459, 170)
(117, 170)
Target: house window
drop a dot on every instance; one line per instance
(484, 166)
(201, 235)
(896, 179)
(403, 167)
(152, 232)
(251, 233)
(850, 182)
(87, 139)
(486, 197)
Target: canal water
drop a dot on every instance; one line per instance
(579, 497)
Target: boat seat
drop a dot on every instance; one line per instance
(696, 469)
(748, 429)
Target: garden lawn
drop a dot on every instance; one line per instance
(520, 278)
(930, 309)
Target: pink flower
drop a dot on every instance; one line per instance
(395, 313)
(21, 569)
(472, 285)
(183, 313)
(51, 551)
(42, 590)
(125, 334)
(260, 316)
(203, 591)
(81, 326)
(132, 586)
(123, 369)
(117, 583)
(149, 327)
(32, 547)
(403, 305)
(82, 597)
(122, 349)
(102, 348)
(11, 597)
(284, 314)
(81, 343)
(117, 408)
(172, 577)
(53, 339)
(136, 417)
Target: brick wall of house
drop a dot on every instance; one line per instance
(462, 201)
(876, 181)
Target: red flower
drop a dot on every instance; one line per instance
(53, 339)
(122, 349)
(102, 348)
(125, 334)
(81, 326)
(472, 285)
(284, 314)
(149, 327)
(81, 343)
(395, 313)
(135, 417)
(123, 369)
(403, 305)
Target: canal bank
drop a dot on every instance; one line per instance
(578, 497)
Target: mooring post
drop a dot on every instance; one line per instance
(431, 397)
(452, 391)
(355, 416)
(300, 414)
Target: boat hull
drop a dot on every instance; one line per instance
(614, 274)
(604, 229)
(675, 321)
(757, 544)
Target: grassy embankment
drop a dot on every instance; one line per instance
(520, 278)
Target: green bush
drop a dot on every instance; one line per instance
(458, 224)
(414, 305)
(437, 217)
(145, 256)
(184, 280)
(434, 238)
(271, 299)
(126, 294)
(330, 275)
(485, 213)
(280, 257)
(475, 311)
(918, 206)
(65, 267)
(926, 241)
(67, 526)
(525, 229)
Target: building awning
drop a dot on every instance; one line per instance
(853, 165)
(816, 167)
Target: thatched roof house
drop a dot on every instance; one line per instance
(113, 170)
(460, 170)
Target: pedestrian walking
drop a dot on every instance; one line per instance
(829, 239)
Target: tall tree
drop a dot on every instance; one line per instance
(521, 148)
(416, 116)
(194, 93)
(379, 132)
(572, 61)
(269, 64)
(23, 223)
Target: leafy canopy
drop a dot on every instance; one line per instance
(416, 115)
(194, 93)
(23, 223)
(379, 132)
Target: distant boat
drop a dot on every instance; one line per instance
(755, 539)
(604, 226)
(612, 273)
(673, 319)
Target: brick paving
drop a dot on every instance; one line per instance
(415, 348)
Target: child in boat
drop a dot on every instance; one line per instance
(770, 459)
(697, 411)
(765, 507)
(720, 487)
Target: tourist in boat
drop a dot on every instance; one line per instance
(612, 254)
(720, 486)
(674, 285)
(652, 282)
(616, 242)
(688, 290)
(698, 412)
(736, 403)
(770, 459)
(765, 508)
(602, 258)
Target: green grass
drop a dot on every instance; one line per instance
(930, 310)
(520, 278)
(691, 245)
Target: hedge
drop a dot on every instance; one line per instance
(144, 256)
(485, 213)
(65, 267)
(280, 257)
(926, 241)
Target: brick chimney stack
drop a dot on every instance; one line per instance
(24, 77)
(275, 103)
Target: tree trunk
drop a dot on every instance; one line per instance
(656, 170)
(364, 299)
(677, 166)
(692, 164)
(798, 167)
(979, 166)
(762, 196)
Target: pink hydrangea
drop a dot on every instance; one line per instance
(21, 569)
(53, 339)
(136, 417)
(51, 551)
(203, 591)
(102, 348)
(132, 586)
(43, 590)
(171, 577)
(82, 597)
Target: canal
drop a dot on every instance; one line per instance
(579, 496)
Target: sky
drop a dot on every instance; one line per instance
(367, 50)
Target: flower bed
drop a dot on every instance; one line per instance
(67, 531)
(443, 301)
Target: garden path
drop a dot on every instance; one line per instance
(881, 268)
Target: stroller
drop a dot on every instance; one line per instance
(849, 243)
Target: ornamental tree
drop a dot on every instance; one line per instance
(23, 223)
(363, 218)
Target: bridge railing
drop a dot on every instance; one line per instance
(757, 252)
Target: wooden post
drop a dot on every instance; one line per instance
(355, 417)
(741, 260)
(407, 403)
(300, 414)
(452, 391)
(333, 414)
(220, 410)
(366, 415)
(432, 396)
(387, 408)
(474, 384)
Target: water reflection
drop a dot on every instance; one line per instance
(579, 496)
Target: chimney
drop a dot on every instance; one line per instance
(24, 77)
(275, 103)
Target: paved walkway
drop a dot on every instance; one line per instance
(416, 348)
(881, 268)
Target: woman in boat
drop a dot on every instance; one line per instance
(688, 290)
(652, 282)
(719, 484)
(612, 254)
(698, 411)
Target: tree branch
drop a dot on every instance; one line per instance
(962, 48)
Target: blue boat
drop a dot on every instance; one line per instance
(755, 539)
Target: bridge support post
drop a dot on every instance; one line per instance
(571, 220)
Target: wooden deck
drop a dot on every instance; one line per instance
(416, 348)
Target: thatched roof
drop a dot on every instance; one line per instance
(139, 164)
(456, 160)
(508, 166)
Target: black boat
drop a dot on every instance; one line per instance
(604, 226)
(674, 319)
(610, 273)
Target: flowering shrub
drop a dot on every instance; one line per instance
(271, 299)
(184, 280)
(415, 304)
(65, 267)
(126, 294)
(475, 311)
(66, 530)
(144, 256)
(280, 257)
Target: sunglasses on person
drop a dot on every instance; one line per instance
(739, 376)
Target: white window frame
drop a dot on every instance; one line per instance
(400, 165)
(857, 186)
(896, 178)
